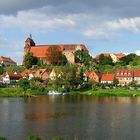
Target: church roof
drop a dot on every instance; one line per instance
(41, 50)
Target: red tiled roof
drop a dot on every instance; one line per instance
(6, 59)
(13, 76)
(108, 77)
(1, 76)
(104, 54)
(124, 73)
(41, 50)
(88, 74)
(136, 73)
(119, 55)
(25, 72)
(91, 74)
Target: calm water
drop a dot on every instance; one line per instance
(76, 117)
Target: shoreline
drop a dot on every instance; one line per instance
(18, 92)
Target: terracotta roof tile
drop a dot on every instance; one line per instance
(124, 73)
(136, 73)
(25, 72)
(13, 76)
(119, 55)
(108, 77)
(41, 50)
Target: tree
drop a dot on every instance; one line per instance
(105, 60)
(1, 70)
(85, 59)
(54, 54)
(63, 60)
(127, 59)
(29, 60)
(115, 81)
(35, 82)
(23, 83)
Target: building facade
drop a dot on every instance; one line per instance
(124, 77)
(40, 51)
(7, 61)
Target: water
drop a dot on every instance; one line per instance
(75, 117)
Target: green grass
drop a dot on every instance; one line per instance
(11, 92)
(18, 92)
(108, 92)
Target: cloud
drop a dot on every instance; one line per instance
(137, 52)
(34, 20)
(130, 25)
(93, 19)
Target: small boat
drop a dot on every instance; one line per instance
(54, 93)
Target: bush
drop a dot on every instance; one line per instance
(34, 138)
(58, 138)
(2, 138)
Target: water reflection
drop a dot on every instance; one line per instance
(76, 117)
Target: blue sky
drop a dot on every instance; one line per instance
(103, 26)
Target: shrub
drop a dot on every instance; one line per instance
(34, 138)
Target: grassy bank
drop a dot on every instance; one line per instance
(18, 92)
(108, 92)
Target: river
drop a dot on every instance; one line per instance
(75, 117)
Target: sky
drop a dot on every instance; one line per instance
(102, 25)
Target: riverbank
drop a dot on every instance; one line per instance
(18, 92)
(120, 92)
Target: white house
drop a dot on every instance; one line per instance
(7, 61)
(137, 76)
(9, 77)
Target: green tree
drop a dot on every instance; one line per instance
(35, 83)
(86, 60)
(115, 81)
(105, 60)
(1, 70)
(127, 59)
(63, 60)
(23, 83)
(29, 60)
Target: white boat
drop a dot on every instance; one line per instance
(54, 93)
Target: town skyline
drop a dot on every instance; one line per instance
(109, 26)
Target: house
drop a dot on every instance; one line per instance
(55, 73)
(93, 76)
(104, 54)
(124, 76)
(107, 78)
(40, 51)
(9, 77)
(42, 73)
(117, 56)
(7, 61)
(114, 56)
(1, 78)
(27, 74)
(137, 76)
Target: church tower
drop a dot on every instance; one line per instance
(28, 44)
